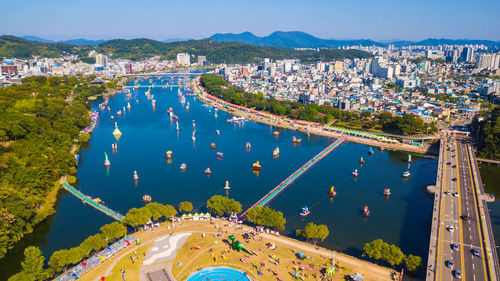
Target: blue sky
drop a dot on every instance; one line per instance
(339, 19)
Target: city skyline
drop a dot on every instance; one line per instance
(381, 21)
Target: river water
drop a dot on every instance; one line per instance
(404, 219)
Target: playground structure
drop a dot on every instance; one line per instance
(291, 179)
(237, 245)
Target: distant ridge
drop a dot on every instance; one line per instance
(76, 42)
(298, 39)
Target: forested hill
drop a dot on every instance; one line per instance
(136, 49)
(38, 127)
(12, 46)
(489, 135)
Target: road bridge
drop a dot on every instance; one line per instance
(159, 74)
(461, 241)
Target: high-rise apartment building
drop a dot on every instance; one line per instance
(183, 59)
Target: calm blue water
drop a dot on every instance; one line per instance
(403, 219)
(219, 273)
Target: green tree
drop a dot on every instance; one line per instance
(394, 256)
(185, 207)
(222, 205)
(113, 230)
(267, 217)
(136, 217)
(412, 262)
(380, 250)
(33, 262)
(314, 232)
(157, 210)
(22, 276)
(84, 138)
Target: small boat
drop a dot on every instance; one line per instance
(220, 155)
(355, 173)
(406, 174)
(119, 113)
(332, 192)
(177, 126)
(296, 140)
(256, 166)
(128, 105)
(305, 211)
(409, 158)
(136, 176)
(194, 124)
(362, 161)
(169, 154)
(387, 191)
(146, 198)
(112, 117)
(226, 187)
(97, 200)
(212, 145)
(193, 137)
(217, 132)
(207, 171)
(183, 99)
(370, 152)
(276, 152)
(248, 146)
(183, 166)
(365, 212)
(106, 160)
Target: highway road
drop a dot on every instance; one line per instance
(458, 215)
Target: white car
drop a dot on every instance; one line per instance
(450, 228)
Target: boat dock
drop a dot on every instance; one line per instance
(291, 179)
(86, 200)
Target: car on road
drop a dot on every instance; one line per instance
(454, 247)
(453, 156)
(475, 251)
(454, 179)
(455, 194)
(449, 263)
(450, 228)
(465, 217)
(457, 273)
(449, 163)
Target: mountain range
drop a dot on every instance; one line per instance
(85, 42)
(298, 39)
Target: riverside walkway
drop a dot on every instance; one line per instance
(291, 179)
(87, 200)
(153, 86)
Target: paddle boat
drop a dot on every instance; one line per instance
(332, 192)
(409, 158)
(146, 198)
(248, 146)
(136, 176)
(220, 155)
(169, 154)
(406, 174)
(212, 145)
(296, 140)
(355, 173)
(305, 211)
(226, 187)
(183, 166)
(256, 166)
(370, 152)
(193, 137)
(362, 161)
(194, 124)
(207, 171)
(276, 133)
(387, 191)
(128, 105)
(217, 132)
(365, 212)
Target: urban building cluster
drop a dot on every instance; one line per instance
(431, 82)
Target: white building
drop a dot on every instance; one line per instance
(183, 59)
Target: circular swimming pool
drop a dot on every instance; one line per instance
(219, 273)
